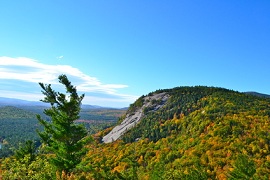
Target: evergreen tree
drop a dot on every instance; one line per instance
(61, 136)
(28, 148)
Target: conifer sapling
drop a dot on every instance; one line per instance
(62, 136)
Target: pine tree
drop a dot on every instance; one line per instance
(28, 148)
(61, 136)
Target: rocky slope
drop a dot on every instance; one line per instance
(182, 102)
(153, 102)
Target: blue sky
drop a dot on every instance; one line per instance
(116, 51)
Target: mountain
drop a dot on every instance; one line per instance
(189, 133)
(86, 106)
(156, 100)
(18, 102)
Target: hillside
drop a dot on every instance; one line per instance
(199, 131)
(177, 102)
(10, 112)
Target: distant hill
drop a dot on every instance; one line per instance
(86, 106)
(18, 102)
(23, 103)
(11, 112)
(258, 94)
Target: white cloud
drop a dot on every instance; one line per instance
(60, 57)
(30, 70)
(22, 95)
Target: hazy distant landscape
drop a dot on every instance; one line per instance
(18, 122)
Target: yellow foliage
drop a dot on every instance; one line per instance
(222, 176)
(140, 160)
(121, 167)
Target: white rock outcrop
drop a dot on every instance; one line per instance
(155, 102)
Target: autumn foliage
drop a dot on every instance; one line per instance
(201, 133)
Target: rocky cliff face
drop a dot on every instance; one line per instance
(152, 102)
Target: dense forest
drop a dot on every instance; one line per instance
(19, 124)
(200, 133)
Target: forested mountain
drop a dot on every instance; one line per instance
(181, 133)
(198, 133)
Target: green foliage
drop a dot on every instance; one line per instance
(26, 168)
(19, 124)
(137, 104)
(243, 168)
(14, 132)
(190, 174)
(10, 112)
(62, 136)
(28, 148)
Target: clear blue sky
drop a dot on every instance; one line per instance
(116, 51)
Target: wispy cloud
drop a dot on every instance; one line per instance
(26, 70)
(60, 57)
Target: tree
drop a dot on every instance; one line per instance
(61, 136)
(28, 148)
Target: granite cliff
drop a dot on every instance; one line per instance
(151, 102)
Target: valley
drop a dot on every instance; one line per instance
(18, 123)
